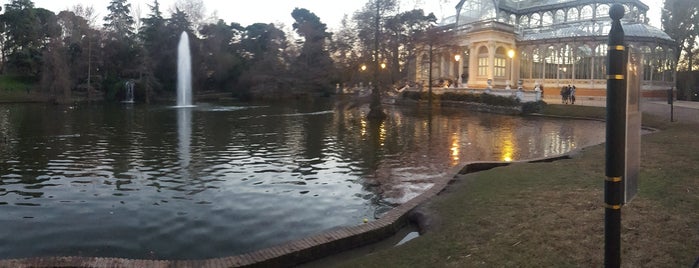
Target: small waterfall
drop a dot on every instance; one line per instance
(129, 85)
(184, 72)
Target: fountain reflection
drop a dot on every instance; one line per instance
(184, 134)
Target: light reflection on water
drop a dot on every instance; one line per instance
(189, 183)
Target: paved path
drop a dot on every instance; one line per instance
(684, 111)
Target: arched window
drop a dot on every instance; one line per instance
(583, 62)
(535, 20)
(500, 65)
(547, 19)
(600, 62)
(524, 21)
(552, 61)
(559, 17)
(647, 63)
(659, 64)
(602, 11)
(483, 61)
(525, 64)
(573, 15)
(513, 19)
(586, 13)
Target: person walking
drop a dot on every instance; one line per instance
(572, 94)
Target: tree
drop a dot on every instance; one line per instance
(23, 42)
(404, 31)
(344, 51)
(313, 67)
(120, 49)
(223, 64)
(195, 9)
(262, 48)
(119, 21)
(680, 20)
(370, 22)
(76, 41)
(153, 44)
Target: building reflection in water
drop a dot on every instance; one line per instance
(415, 154)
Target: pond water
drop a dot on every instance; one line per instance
(216, 180)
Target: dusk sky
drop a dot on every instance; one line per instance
(274, 11)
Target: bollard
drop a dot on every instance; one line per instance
(616, 138)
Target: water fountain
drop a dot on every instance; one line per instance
(129, 85)
(184, 72)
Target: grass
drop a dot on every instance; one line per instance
(17, 89)
(552, 214)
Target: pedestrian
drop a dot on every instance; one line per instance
(572, 94)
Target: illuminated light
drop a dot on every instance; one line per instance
(383, 65)
(511, 53)
(363, 67)
(457, 57)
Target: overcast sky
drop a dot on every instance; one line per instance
(247, 12)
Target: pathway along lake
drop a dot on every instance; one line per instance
(215, 180)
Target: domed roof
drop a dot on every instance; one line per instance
(593, 29)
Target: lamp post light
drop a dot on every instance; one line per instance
(457, 58)
(511, 55)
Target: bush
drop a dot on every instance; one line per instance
(468, 97)
(499, 100)
(533, 107)
(412, 95)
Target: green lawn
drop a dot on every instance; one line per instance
(17, 89)
(552, 214)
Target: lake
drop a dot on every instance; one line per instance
(139, 181)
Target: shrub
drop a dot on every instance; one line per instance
(533, 107)
(499, 100)
(412, 95)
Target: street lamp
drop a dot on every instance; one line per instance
(511, 55)
(457, 58)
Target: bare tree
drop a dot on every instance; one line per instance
(87, 12)
(195, 10)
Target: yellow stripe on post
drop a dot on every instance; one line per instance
(615, 77)
(616, 48)
(614, 179)
(615, 207)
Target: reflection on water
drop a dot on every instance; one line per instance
(215, 180)
(184, 133)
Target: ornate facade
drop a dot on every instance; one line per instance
(552, 43)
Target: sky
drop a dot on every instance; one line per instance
(247, 12)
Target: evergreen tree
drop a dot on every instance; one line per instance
(222, 62)
(313, 67)
(23, 37)
(119, 20)
(120, 51)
